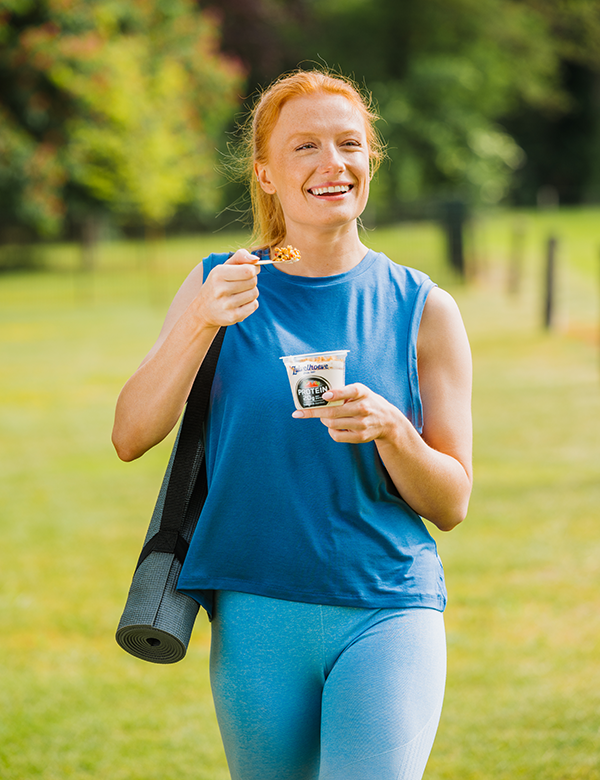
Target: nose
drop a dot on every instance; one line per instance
(331, 159)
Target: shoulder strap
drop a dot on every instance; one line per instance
(187, 461)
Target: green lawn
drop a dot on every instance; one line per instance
(523, 695)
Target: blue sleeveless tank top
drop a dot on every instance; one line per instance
(290, 513)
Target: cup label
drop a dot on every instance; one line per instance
(310, 390)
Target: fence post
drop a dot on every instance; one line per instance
(515, 268)
(454, 215)
(550, 283)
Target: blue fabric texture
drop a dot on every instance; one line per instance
(309, 692)
(290, 513)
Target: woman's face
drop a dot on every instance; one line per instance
(318, 162)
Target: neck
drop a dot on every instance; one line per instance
(324, 253)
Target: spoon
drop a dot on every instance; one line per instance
(282, 256)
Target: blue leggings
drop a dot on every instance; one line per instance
(309, 692)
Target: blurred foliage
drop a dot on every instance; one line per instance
(444, 72)
(563, 147)
(123, 107)
(469, 90)
(109, 105)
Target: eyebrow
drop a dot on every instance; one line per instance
(304, 134)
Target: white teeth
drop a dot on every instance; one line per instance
(327, 190)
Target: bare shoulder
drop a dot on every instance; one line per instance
(440, 309)
(442, 326)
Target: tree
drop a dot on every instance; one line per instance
(458, 82)
(266, 35)
(110, 105)
(444, 73)
(562, 146)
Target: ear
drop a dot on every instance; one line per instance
(262, 175)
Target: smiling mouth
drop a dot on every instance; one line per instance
(336, 189)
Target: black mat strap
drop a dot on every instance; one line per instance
(187, 463)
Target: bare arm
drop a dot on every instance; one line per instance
(432, 472)
(153, 398)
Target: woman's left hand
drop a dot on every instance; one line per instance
(364, 416)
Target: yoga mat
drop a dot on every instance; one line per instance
(157, 621)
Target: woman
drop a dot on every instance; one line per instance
(325, 588)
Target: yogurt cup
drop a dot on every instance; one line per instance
(313, 374)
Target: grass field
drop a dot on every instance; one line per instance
(523, 571)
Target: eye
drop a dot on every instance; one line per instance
(307, 145)
(352, 143)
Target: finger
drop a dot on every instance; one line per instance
(322, 413)
(235, 277)
(231, 302)
(319, 412)
(243, 298)
(347, 393)
(346, 436)
(352, 430)
(245, 311)
(345, 411)
(236, 313)
(343, 423)
(242, 256)
(316, 413)
(325, 411)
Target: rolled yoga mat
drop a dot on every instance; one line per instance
(157, 621)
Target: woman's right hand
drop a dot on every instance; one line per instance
(230, 292)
